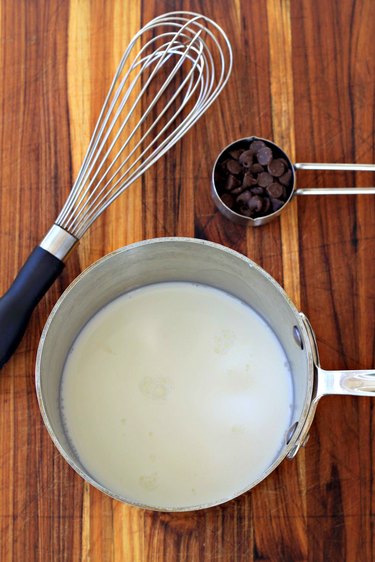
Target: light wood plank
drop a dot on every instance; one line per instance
(281, 81)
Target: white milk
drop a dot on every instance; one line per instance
(176, 394)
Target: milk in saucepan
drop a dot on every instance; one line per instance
(175, 395)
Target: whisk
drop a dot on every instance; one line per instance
(171, 72)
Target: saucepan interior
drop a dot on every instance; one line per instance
(155, 261)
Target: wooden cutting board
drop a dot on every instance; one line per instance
(303, 76)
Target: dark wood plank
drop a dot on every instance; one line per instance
(332, 81)
(40, 507)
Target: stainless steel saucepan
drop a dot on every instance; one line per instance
(184, 259)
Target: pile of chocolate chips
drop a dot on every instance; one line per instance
(253, 179)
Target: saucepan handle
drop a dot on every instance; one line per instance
(356, 383)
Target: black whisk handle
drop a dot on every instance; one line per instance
(32, 282)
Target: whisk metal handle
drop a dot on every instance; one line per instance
(32, 282)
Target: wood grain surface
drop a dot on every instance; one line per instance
(303, 76)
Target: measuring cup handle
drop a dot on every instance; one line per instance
(356, 383)
(335, 191)
(335, 167)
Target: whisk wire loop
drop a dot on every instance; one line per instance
(105, 198)
(100, 192)
(168, 79)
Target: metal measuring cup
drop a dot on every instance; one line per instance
(260, 220)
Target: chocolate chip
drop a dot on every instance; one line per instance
(227, 199)
(232, 182)
(246, 211)
(257, 190)
(236, 153)
(276, 168)
(222, 166)
(256, 168)
(256, 145)
(238, 190)
(285, 178)
(255, 203)
(218, 177)
(276, 204)
(234, 167)
(246, 158)
(266, 205)
(275, 190)
(248, 180)
(264, 179)
(244, 197)
(264, 156)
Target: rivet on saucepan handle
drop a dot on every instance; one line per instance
(291, 431)
(297, 336)
(300, 443)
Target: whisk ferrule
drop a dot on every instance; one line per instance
(58, 242)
